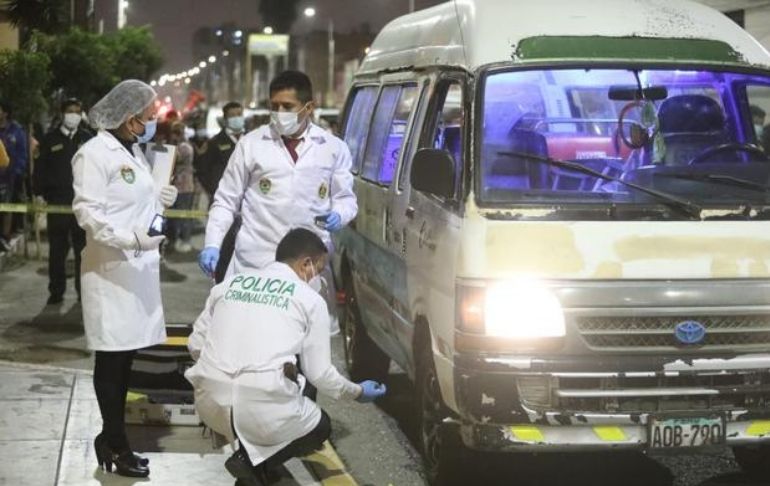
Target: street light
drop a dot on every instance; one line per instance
(310, 12)
(212, 59)
(267, 30)
(202, 64)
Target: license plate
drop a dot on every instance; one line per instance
(674, 433)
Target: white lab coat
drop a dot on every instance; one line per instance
(252, 325)
(114, 197)
(273, 194)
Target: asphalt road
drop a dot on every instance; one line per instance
(377, 442)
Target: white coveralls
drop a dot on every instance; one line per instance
(274, 194)
(252, 325)
(115, 197)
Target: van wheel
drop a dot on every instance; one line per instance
(753, 460)
(364, 360)
(442, 449)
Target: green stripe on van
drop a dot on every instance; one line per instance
(626, 48)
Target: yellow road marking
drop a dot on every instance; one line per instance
(527, 433)
(328, 468)
(176, 341)
(610, 433)
(758, 428)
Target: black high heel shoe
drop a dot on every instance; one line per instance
(126, 463)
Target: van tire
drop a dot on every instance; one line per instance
(364, 360)
(444, 455)
(753, 460)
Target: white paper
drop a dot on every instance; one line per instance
(161, 159)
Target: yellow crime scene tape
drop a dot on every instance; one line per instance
(32, 208)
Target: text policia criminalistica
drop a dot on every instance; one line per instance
(269, 291)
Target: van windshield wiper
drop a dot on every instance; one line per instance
(720, 179)
(685, 207)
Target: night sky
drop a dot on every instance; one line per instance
(175, 21)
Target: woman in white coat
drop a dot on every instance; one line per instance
(115, 203)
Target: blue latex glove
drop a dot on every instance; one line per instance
(371, 391)
(333, 222)
(208, 259)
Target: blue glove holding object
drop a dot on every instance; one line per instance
(208, 259)
(371, 391)
(333, 222)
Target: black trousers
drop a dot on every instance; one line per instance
(63, 233)
(111, 372)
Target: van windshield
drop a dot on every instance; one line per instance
(700, 136)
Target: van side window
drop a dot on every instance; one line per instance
(759, 107)
(357, 125)
(388, 133)
(448, 132)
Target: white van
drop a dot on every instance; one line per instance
(563, 234)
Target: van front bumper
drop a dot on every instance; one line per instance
(591, 402)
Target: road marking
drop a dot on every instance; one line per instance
(328, 468)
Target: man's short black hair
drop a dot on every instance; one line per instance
(71, 102)
(295, 80)
(757, 111)
(300, 243)
(6, 107)
(232, 105)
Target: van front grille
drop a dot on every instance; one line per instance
(656, 333)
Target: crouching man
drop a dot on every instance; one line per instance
(246, 343)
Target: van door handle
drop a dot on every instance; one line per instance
(409, 213)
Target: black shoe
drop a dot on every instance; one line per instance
(126, 463)
(54, 300)
(239, 466)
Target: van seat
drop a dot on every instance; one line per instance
(520, 172)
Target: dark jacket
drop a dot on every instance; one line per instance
(15, 140)
(210, 166)
(52, 176)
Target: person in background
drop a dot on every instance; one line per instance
(180, 230)
(211, 167)
(212, 164)
(12, 179)
(116, 202)
(758, 120)
(52, 184)
(246, 344)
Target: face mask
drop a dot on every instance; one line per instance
(758, 130)
(72, 121)
(236, 123)
(201, 133)
(286, 123)
(149, 131)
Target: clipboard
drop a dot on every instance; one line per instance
(162, 159)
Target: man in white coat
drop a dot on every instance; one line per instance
(246, 343)
(288, 174)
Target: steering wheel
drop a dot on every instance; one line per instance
(640, 135)
(727, 147)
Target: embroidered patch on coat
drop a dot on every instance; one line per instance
(265, 185)
(127, 173)
(323, 191)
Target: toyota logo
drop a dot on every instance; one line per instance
(690, 332)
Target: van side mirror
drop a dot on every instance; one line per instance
(433, 171)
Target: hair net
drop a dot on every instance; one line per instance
(128, 98)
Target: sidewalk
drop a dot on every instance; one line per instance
(49, 417)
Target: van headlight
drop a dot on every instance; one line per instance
(518, 309)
